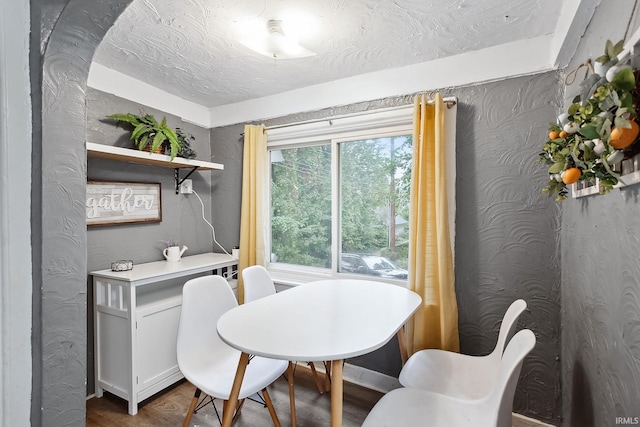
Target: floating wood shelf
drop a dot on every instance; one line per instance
(101, 151)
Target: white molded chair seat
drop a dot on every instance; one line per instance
(456, 374)
(216, 378)
(410, 407)
(207, 361)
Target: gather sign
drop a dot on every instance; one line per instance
(111, 203)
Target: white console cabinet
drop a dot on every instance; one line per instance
(136, 315)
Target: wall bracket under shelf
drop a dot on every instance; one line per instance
(176, 174)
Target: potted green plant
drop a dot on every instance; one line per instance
(150, 134)
(185, 140)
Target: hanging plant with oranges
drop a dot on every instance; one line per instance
(598, 129)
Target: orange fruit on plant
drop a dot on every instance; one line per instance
(624, 137)
(563, 134)
(571, 175)
(553, 134)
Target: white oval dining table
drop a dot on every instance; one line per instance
(326, 320)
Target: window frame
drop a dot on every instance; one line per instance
(379, 124)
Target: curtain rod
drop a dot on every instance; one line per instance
(449, 102)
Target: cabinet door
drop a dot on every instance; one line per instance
(157, 333)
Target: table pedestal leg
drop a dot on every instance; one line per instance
(336, 393)
(227, 415)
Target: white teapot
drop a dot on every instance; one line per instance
(174, 253)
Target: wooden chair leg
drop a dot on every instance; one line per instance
(402, 343)
(327, 376)
(192, 407)
(272, 410)
(227, 413)
(238, 409)
(316, 378)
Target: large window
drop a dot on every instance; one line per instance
(340, 200)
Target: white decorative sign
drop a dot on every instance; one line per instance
(122, 202)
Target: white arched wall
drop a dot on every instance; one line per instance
(58, 223)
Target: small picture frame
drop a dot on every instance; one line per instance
(113, 203)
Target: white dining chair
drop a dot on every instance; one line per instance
(259, 284)
(410, 407)
(460, 375)
(204, 359)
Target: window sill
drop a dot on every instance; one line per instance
(295, 277)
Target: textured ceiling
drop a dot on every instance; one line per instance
(189, 48)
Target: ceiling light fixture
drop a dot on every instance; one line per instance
(275, 44)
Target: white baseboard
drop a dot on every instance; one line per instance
(370, 379)
(531, 421)
(364, 377)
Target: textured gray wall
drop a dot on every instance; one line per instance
(59, 241)
(181, 214)
(601, 278)
(507, 245)
(226, 148)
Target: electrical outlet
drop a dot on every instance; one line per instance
(186, 187)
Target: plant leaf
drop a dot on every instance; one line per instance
(617, 48)
(556, 167)
(174, 143)
(151, 120)
(126, 118)
(626, 102)
(139, 130)
(142, 142)
(609, 49)
(624, 80)
(158, 140)
(589, 132)
(619, 122)
(573, 108)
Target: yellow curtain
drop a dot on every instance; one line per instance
(435, 324)
(252, 214)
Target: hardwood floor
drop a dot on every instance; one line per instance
(168, 408)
